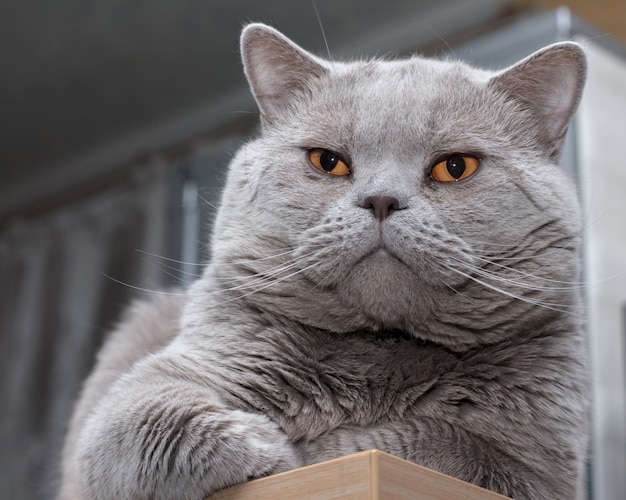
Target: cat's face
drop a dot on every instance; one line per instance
(415, 195)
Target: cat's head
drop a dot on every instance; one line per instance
(414, 194)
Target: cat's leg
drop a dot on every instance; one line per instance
(158, 436)
(452, 451)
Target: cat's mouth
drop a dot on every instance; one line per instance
(382, 253)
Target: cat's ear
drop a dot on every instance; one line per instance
(549, 85)
(277, 69)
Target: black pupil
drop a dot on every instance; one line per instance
(455, 166)
(328, 161)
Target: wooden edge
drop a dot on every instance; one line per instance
(401, 479)
(373, 475)
(375, 486)
(345, 477)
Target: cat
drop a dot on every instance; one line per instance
(394, 266)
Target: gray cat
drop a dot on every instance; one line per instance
(394, 266)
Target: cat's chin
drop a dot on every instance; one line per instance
(384, 289)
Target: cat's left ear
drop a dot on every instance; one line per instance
(277, 69)
(549, 85)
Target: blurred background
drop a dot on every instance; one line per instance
(117, 121)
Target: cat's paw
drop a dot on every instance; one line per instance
(232, 446)
(268, 449)
(181, 454)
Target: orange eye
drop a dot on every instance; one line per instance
(455, 168)
(328, 162)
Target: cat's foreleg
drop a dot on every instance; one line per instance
(153, 436)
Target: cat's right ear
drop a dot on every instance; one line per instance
(277, 69)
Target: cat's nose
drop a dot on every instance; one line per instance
(381, 205)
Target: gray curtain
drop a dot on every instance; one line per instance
(60, 291)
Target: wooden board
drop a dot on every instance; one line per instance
(372, 475)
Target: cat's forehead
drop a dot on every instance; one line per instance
(387, 102)
(403, 93)
(413, 77)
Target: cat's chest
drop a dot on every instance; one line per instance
(330, 380)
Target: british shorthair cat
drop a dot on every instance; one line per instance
(394, 266)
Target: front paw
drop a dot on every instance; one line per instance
(181, 454)
(265, 448)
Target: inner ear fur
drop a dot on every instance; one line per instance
(549, 85)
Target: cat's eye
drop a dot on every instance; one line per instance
(328, 162)
(455, 168)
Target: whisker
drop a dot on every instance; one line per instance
(206, 201)
(268, 285)
(168, 259)
(573, 284)
(144, 290)
(521, 284)
(319, 21)
(270, 257)
(267, 274)
(176, 273)
(562, 308)
(267, 280)
(443, 40)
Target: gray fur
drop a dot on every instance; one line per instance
(447, 334)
